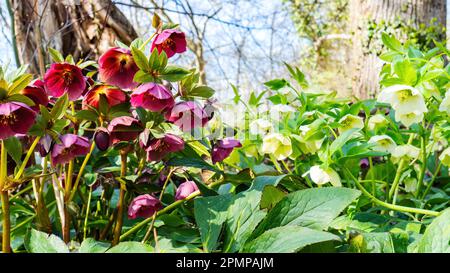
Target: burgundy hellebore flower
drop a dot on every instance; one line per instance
(117, 67)
(153, 97)
(64, 77)
(170, 41)
(113, 96)
(124, 129)
(158, 148)
(36, 92)
(102, 139)
(187, 115)
(15, 118)
(223, 148)
(143, 206)
(185, 189)
(70, 147)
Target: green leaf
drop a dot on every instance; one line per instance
(143, 77)
(21, 98)
(60, 124)
(86, 115)
(210, 214)
(314, 208)
(57, 57)
(436, 238)
(270, 197)
(391, 42)
(19, 84)
(276, 84)
(153, 62)
(131, 247)
(39, 242)
(14, 148)
(192, 162)
(287, 239)
(60, 107)
(140, 59)
(243, 216)
(90, 245)
(375, 242)
(174, 73)
(201, 91)
(341, 140)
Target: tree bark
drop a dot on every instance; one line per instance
(85, 29)
(365, 63)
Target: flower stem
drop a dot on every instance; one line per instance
(398, 173)
(147, 235)
(80, 172)
(27, 158)
(6, 232)
(120, 205)
(88, 207)
(423, 168)
(147, 41)
(391, 206)
(430, 184)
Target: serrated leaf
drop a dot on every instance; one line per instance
(436, 238)
(173, 73)
(90, 245)
(140, 59)
(57, 57)
(39, 242)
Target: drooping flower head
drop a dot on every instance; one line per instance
(117, 67)
(70, 147)
(349, 122)
(15, 118)
(113, 95)
(185, 189)
(102, 139)
(321, 175)
(65, 78)
(377, 121)
(153, 97)
(405, 152)
(124, 129)
(223, 148)
(143, 206)
(36, 92)
(278, 145)
(45, 145)
(383, 143)
(170, 41)
(187, 115)
(158, 148)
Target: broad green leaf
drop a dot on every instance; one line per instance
(60, 107)
(201, 91)
(166, 245)
(140, 59)
(14, 148)
(287, 239)
(19, 84)
(57, 57)
(314, 208)
(39, 242)
(210, 214)
(276, 84)
(391, 42)
(21, 98)
(270, 197)
(131, 247)
(243, 216)
(174, 73)
(86, 115)
(436, 238)
(342, 139)
(375, 242)
(92, 246)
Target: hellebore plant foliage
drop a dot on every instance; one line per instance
(132, 153)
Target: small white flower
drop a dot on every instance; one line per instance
(320, 176)
(445, 157)
(260, 127)
(309, 142)
(406, 152)
(403, 98)
(410, 184)
(383, 143)
(377, 121)
(349, 122)
(409, 118)
(445, 104)
(278, 145)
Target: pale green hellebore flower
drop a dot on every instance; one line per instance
(377, 121)
(261, 127)
(445, 104)
(445, 157)
(383, 143)
(277, 145)
(321, 176)
(406, 152)
(349, 122)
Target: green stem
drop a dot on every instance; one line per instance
(167, 209)
(275, 163)
(398, 173)
(423, 168)
(391, 206)
(147, 41)
(81, 171)
(120, 205)
(27, 157)
(430, 184)
(88, 207)
(6, 229)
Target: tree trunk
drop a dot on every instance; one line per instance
(85, 29)
(388, 15)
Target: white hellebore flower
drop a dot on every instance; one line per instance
(320, 176)
(445, 104)
(383, 143)
(407, 101)
(349, 122)
(407, 152)
(445, 157)
(260, 127)
(277, 145)
(377, 121)
(308, 142)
